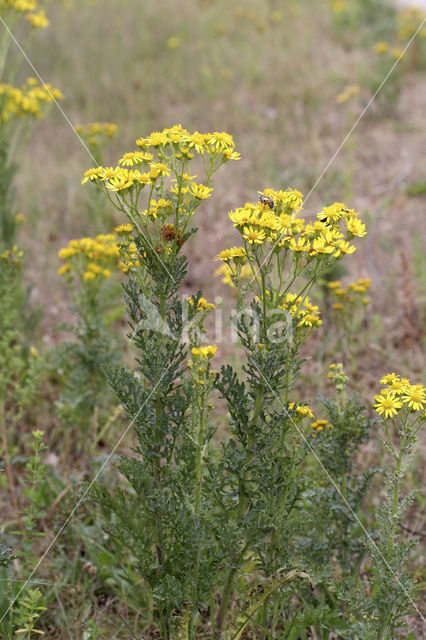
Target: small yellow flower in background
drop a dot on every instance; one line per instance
(38, 20)
(348, 92)
(409, 20)
(19, 218)
(397, 52)
(173, 42)
(34, 352)
(339, 6)
(64, 269)
(336, 284)
(96, 133)
(276, 16)
(381, 47)
(319, 426)
(91, 257)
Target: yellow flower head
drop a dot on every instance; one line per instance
(381, 47)
(124, 229)
(204, 353)
(414, 396)
(387, 403)
(253, 235)
(200, 191)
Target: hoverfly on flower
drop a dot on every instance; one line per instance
(264, 199)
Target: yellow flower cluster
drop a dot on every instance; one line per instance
(38, 20)
(225, 270)
(258, 20)
(319, 426)
(96, 133)
(339, 6)
(29, 100)
(350, 91)
(139, 168)
(91, 257)
(30, 9)
(204, 353)
(20, 6)
(12, 256)
(337, 375)
(202, 305)
(398, 392)
(274, 219)
(409, 20)
(301, 410)
(301, 308)
(349, 297)
(382, 48)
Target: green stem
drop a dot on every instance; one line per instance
(197, 507)
(227, 593)
(242, 503)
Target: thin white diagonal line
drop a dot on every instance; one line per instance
(77, 135)
(336, 153)
(389, 73)
(152, 391)
(312, 450)
(81, 499)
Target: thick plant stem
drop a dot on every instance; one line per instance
(227, 594)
